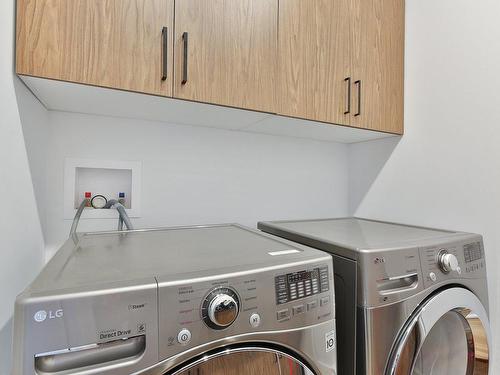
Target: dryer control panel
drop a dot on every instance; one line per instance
(473, 256)
(390, 276)
(457, 260)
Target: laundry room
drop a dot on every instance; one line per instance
(250, 187)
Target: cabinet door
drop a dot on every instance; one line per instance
(314, 48)
(109, 43)
(378, 65)
(225, 52)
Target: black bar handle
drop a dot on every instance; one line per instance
(185, 58)
(348, 110)
(164, 43)
(358, 82)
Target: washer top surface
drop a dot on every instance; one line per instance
(174, 254)
(355, 234)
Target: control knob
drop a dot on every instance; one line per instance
(447, 261)
(220, 308)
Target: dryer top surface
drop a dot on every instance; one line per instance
(348, 236)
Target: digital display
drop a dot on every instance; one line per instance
(472, 252)
(301, 276)
(297, 285)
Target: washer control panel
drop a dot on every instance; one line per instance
(302, 292)
(297, 285)
(204, 310)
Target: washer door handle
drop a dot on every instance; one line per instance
(75, 358)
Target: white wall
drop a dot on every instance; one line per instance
(196, 175)
(21, 242)
(35, 125)
(445, 171)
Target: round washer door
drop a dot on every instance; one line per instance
(246, 361)
(448, 334)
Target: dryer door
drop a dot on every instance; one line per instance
(246, 361)
(447, 335)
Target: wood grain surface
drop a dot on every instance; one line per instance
(290, 58)
(232, 52)
(378, 58)
(314, 53)
(109, 43)
(480, 339)
(245, 363)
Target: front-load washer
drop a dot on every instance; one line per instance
(182, 301)
(409, 300)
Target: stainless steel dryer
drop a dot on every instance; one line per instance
(184, 301)
(409, 300)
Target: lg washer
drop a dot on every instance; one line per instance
(409, 300)
(181, 301)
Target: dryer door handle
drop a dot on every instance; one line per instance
(397, 284)
(94, 354)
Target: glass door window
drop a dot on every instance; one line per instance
(447, 349)
(246, 361)
(447, 335)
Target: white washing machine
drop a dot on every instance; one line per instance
(410, 300)
(184, 301)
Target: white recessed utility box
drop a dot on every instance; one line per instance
(104, 178)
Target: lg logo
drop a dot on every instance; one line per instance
(42, 315)
(330, 341)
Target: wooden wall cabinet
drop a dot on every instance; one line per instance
(314, 52)
(377, 64)
(226, 52)
(333, 62)
(341, 62)
(108, 43)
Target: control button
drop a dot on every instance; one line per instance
(447, 261)
(323, 276)
(223, 310)
(315, 286)
(312, 305)
(324, 301)
(283, 314)
(298, 309)
(184, 336)
(282, 295)
(255, 320)
(432, 276)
